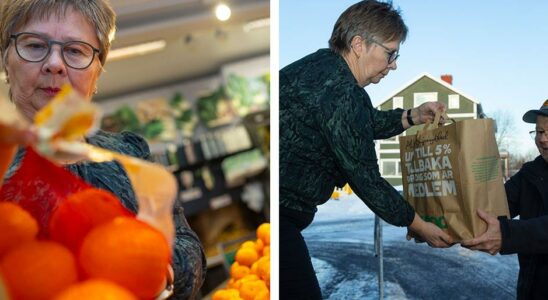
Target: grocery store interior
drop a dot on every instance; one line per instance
(198, 89)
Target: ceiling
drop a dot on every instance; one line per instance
(197, 44)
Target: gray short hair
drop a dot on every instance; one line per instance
(367, 19)
(17, 13)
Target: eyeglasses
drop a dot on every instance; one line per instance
(538, 133)
(392, 54)
(33, 47)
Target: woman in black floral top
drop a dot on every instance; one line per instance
(327, 131)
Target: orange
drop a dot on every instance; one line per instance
(128, 252)
(259, 245)
(262, 295)
(16, 226)
(255, 268)
(246, 256)
(81, 212)
(230, 284)
(249, 289)
(226, 294)
(95, 289)
(248, 244)
(263, 233)
(251, 277)
(263, 268)
(266, 251)
(238, 271)
(38, 270)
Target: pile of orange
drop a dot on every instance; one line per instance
(250, 273)
(95, 249)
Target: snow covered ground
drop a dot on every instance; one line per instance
(341, 242)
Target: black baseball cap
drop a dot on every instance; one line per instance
(531, 116)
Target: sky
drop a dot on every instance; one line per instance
(497, 51)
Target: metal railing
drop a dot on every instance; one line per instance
(379, 255)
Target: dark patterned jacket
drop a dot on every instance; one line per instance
(327, 131)
(527, 194)
(188, 256)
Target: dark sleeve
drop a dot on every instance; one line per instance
(189, 262)
(387, 124)
(513, 192)
(524, 236)
(346, 124)
(139, 147)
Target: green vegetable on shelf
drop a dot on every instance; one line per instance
(153, 129)
(210, 107)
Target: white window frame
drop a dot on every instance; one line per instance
(393, 140)
(397, 165)
(453, 101)
(397, 102)
(420, 98)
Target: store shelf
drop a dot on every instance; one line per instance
(217, 198)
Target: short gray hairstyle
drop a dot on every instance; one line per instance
(17, 13)
(367, 19)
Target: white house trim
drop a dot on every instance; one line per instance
(463, 115)
(389, 151)
(438, 80)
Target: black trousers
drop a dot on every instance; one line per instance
(297, 277)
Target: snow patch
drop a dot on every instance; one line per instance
(324, 271)
(348, 206)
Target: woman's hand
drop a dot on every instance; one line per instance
(427, 232)
(10, 136)
(424, 113)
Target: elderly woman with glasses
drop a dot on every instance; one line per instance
(45, 44)
(327, 131)
(527, 195)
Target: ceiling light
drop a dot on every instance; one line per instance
(256, 24)
(222, 12)
(136, 50)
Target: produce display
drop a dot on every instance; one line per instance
(248, 94)
(250, 273)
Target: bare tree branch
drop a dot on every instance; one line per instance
(505, 125)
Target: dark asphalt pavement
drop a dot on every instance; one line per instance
(343, 255)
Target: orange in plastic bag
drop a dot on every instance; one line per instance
(128, 252)
(39, 186)
(80, 213)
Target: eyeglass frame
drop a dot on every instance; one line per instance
(392, 54)
(535, 133)
(50, 43)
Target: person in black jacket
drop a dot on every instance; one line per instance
(527, 194)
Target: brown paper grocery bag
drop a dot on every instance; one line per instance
(451, 171)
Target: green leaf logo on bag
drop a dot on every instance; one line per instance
(437, 220)
(485, 168)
